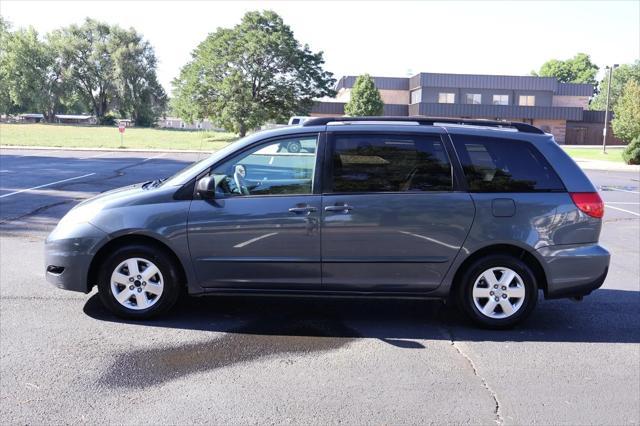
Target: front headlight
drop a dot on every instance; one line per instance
(80, 214)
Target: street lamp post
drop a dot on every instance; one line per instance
(606, 112)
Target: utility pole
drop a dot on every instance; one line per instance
(606, 112)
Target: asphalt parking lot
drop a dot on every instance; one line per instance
(65, 359)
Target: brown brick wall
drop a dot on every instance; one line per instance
(558, 128)
(571, 101)
(315, 114)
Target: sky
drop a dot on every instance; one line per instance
(382, 38)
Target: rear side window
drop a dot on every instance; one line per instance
(389, 163)
(504, 165)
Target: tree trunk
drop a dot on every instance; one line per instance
(242, 130)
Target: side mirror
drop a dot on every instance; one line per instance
(206, 187)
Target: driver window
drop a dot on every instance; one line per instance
(282, 167)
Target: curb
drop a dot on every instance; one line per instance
(59, 148)
(606, 165)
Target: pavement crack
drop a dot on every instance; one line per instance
(497, 409)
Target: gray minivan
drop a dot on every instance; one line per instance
(487, 213)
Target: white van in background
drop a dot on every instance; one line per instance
(298, 120)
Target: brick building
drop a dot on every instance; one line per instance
(557, 108)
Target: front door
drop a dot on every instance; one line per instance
(262, 229)
(390, 218)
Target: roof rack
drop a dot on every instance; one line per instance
(427, 121)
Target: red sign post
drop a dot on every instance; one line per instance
(121, 130)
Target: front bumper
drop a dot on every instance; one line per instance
(574, 270)
(69, 250)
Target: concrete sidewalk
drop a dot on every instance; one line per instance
(588, 164)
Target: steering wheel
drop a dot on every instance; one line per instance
(239, 174)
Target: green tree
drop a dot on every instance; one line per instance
(31, 73)
(247, 75)
(619, 79)
(578, 69)
(140, 95)
(6, 105)
(112, 69)
(626, 124)
(631, 154)
(365, 98)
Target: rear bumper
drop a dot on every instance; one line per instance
(68, 254)
(574, 270)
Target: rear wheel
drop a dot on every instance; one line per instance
(138, 282)
(498, 291)
(294, 147)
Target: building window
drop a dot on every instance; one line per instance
(501, 99)
(416, 96)
(527, 100)
(446, 98)
(474, 98)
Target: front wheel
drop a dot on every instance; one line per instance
(498, 291)
(138, 282)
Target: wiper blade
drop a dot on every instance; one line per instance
(153, 183)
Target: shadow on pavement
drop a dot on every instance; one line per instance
(606, 316)
(258, 327)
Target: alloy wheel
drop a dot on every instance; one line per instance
(137, 283)
(498, 292)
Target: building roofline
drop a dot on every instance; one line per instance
(477, 81)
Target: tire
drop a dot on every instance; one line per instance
(480, 279)
(150, 295)
(294, 147)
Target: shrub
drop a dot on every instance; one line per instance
(631, 154)
(109, 119)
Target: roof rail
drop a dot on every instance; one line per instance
(428, 121)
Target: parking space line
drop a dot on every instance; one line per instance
(154, 157)
(94, 156)
(45, 185)
(622, 210)
(610, 188)
(622, 202)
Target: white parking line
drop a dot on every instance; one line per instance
(609, 188)
(154, 157)
(621, 202)
(45, 185)
(94, 156)
(623, 210)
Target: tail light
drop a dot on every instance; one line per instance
(589, 202)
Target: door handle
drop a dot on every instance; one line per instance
(302, 209)
(342, 208)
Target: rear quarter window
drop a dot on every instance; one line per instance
(504, 165)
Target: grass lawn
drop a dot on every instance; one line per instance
(613, 154)
(109, 137)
